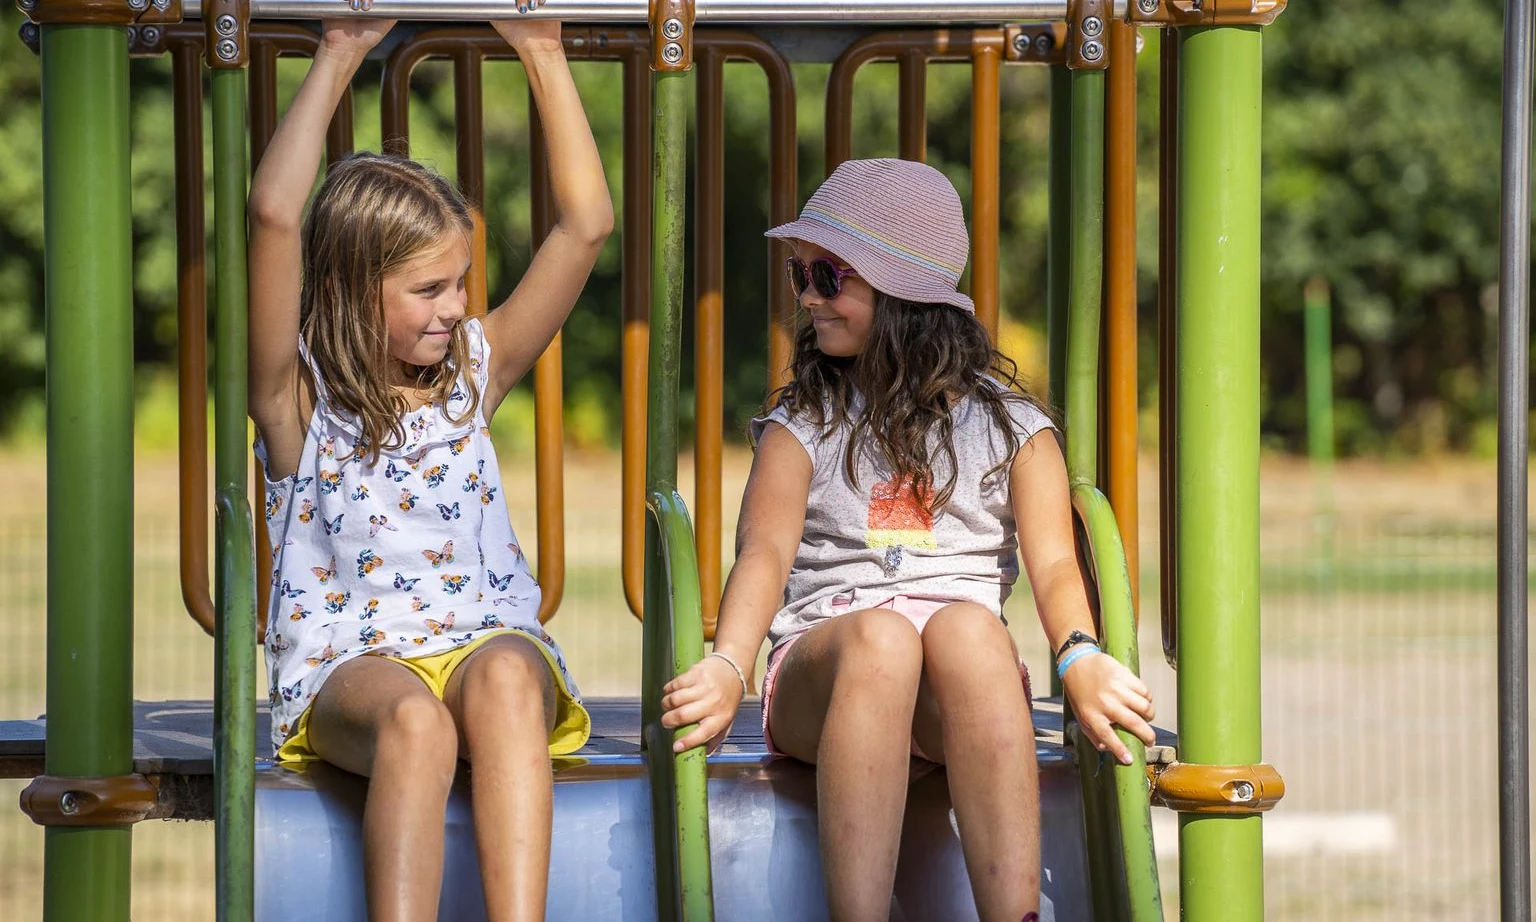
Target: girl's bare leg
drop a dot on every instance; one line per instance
(972, 704)
(503, 698)
(374, 718)
(843, 700)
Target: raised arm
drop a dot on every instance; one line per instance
(1103, 692)
(278, 192)
(767, 539)
(528, 320)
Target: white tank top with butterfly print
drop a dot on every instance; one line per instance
(407, 557)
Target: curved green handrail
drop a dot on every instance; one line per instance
(674, 641)
(1124, 798)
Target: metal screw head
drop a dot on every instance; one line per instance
(29, 33)
(137, 4)
(69, 804)
(672, 52)
(225, 25)
(1092, 51)
(672, 28)
(27, 6)
(1093, 26)
(227, 50)
(1147, 7)
(1021, 43)
(161, 4)
(1242, 792)
(1044, 42)
(150, 35)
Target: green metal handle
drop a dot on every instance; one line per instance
(234, 737)
(1123, 800)
(674, 628)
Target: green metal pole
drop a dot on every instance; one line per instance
(88, 266)
(1221, 858)
(1058, 244)
(1085, 289)
(235, 635)
(674, 633)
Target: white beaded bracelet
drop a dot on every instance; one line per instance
(739, 674)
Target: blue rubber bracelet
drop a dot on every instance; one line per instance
(1077, 653)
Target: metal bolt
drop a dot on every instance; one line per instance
(29, 33)
(1148, 7)
(27, 6)
(69, 804)
(227, 50)
(225, 25)
(578, 42)
(1092, 51)
(1092, 26)
(1044, 42)
(1021, 43)
(1242, 792)
(672, 28)
(150, 35)
(137, 4)
(672, 52)
(161, 4)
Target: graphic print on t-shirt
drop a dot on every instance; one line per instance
(897, 520)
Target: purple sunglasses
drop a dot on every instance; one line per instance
(822, 273)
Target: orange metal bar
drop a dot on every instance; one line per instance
(1167, 342)
(1120, 292)
(709, 324)
(469, 121)
(636, 307)
(986, 67)
(191, 332)
(548, 401)
(912, 108)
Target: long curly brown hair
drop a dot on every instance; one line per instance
(373, 214)
(919, 362)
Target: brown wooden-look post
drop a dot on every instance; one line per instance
(986, 111)
(469, 124)
(1120, 376)
(548, 399)
(1167, 341)
(709, 324)
(636, 308)
(912, 104)
(191, 331)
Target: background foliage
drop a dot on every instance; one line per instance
(1381, 155)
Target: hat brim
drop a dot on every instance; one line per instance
(873, 265)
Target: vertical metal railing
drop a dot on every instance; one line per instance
(1167, 339)
(88, 300)
(1514, 456)
(1217, 467)
(1121, 403)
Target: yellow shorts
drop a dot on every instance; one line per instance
(573, 725)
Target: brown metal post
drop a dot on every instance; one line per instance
(548, 400)
(986, 69)
(912, 105)
(1167, 342)
(1120, 376)
(709, 324)
(636, 307)
(469, 123)
(191, 332)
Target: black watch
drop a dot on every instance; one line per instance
(1075, 638)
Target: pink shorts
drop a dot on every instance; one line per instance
(915, 609)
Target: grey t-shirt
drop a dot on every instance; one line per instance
(864, 544)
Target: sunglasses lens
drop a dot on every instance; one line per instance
(824, 277)
(798, 276)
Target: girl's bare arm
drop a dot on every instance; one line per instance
(521, 328)
(1103, 692)
(278, 192)
(767, 539)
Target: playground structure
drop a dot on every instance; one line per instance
(711, 823)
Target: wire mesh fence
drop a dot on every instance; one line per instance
(1378, 681)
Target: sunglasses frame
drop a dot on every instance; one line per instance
(838, 274)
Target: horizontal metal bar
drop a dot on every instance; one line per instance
(708, 11)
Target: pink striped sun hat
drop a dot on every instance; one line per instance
(898, 223)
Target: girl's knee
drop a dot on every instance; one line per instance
(964, 628)
(881, 641)
(419, 727)
(506, 671)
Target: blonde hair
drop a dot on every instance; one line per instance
(373, 214)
